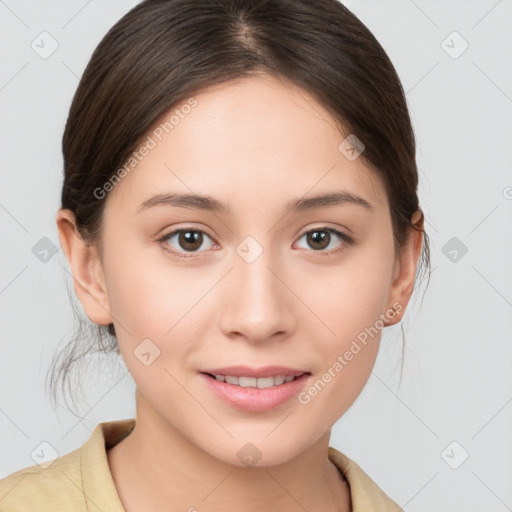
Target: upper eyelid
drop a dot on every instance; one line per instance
(201, 230)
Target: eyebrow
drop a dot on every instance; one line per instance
(208, 203)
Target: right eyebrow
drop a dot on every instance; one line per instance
(192, 201)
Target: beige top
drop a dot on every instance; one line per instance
(81, 480)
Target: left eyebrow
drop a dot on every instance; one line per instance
(328, 199)
(208, 203)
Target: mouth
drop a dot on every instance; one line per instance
(245, 381)
(249, 377)
(255, 390)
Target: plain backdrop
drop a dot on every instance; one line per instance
(442, 439)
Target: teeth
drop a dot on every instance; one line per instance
(253, 382)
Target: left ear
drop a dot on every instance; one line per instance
(405, 270)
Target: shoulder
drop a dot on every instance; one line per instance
(366, 495)
(79, 480)
(55, 487)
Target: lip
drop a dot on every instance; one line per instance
(246, 371)
(255, 399)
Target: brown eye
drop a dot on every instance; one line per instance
(184, 240)
(190, 240)
(320, 239)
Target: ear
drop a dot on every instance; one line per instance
(86, 268)
(405, 270)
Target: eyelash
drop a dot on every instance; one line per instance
(348, 241)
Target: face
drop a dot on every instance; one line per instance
(254, 282)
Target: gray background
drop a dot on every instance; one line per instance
(456, 393)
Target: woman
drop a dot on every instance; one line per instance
(240, 212)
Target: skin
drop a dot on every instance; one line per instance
(255, 144)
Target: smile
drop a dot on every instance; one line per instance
(254, 382)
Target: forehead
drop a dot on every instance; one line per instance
(251, 138)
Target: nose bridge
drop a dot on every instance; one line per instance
(258, 306)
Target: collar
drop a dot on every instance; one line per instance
(100, 490)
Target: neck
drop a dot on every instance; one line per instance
(157, 468)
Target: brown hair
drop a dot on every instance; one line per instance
(164, 51)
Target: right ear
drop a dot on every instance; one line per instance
(86, 269)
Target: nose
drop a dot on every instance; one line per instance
(258, 305)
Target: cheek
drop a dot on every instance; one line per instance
(156, 301)
(350, 297)
(350, 304)
(147, 293)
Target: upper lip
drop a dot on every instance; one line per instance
(247, 371)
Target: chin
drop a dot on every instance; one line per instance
(258, 452)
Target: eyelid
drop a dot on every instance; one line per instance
(325, 227)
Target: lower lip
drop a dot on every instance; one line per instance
(256, 399)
